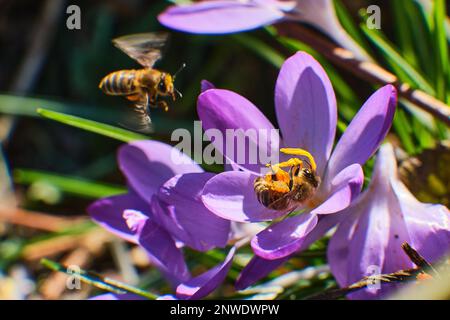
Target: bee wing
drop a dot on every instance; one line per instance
(145, 48)
(139, 118)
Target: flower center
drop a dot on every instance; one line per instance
(285, 190)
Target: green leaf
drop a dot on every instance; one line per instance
(25, 106)
(72, 185)
(425, 138)
(440, 48)
(419, 29)
(98, 281)
(402, 126)
(401, 67)
(93, 126)
(261, 49)
(349, 25)
(403, 27)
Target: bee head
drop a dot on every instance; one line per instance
(311, 177)
(165, 86)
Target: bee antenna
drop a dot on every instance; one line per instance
(179, 70)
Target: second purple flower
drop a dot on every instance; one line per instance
(306, 110)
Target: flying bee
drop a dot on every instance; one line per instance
(281, 190)
(146, 86)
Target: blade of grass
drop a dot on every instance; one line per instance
(419, 28)
(403, 34)
(103, 283)
(349, 25)
(26, 106)
(72, 185)
(92, 126)
(440, 48)
(261, 49)
(106, 130)
(404, 131)
(425, 138)
(402, 68)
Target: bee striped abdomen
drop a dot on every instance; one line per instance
(119, 83)
(272, 194)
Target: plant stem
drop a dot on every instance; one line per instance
(98, 281)
(365, 69)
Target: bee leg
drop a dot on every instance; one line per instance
(293, 172)
(142, 108)
(290, 163)
(291, 179)
(147, 115)
(147, 101)
(153, 100)
(163, 105)
(133, 97)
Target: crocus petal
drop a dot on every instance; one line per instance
(220, 110)
(148, 164)
(206, 85)
(113, 296)
(321, 14)
(231, 195)
(178, 207)
(167, 297)
(283, 238)
(305, 105)
(344, 188)
(108, 212)
(217, 17)
(257, 269)
(135, 220)
(366, 131)
(164, 253)
(202, 285)
(357, 249)
(369, 239)
(428, 225)
(324, 224)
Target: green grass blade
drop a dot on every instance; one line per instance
(404, 131)
(261, 49)
(401, 67)
(92, 126)
(440, 48)
(98, 281)
(349, 25)
(419, 29)
(403, 33)
(26, 106)
(73, 185)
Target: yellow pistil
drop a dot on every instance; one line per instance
(299, 152)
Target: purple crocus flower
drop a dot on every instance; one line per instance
(230, 16)
(370, 236)
(162, 210)
(306, 110)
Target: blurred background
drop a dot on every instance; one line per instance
(52, 171)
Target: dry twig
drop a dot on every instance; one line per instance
(365, 70)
